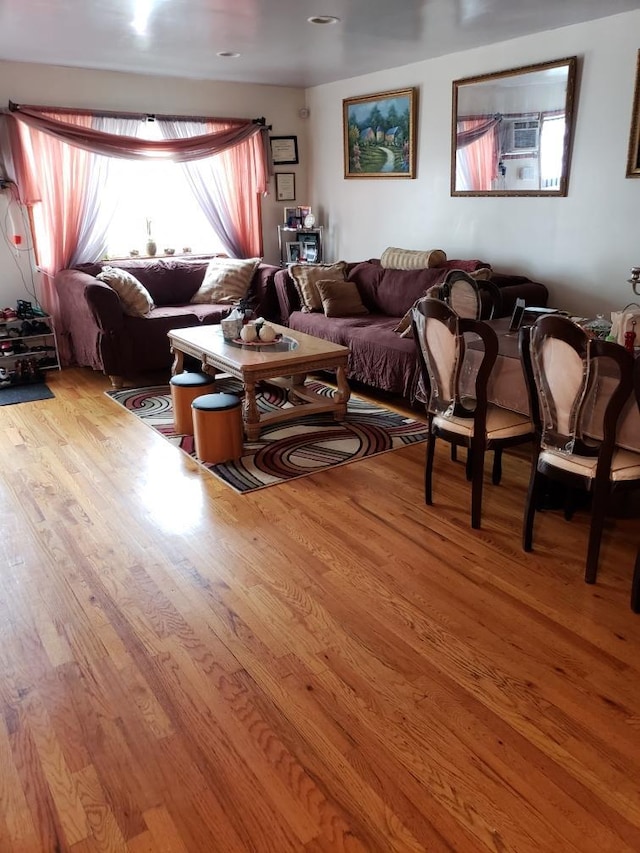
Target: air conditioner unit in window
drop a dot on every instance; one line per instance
(523, 135)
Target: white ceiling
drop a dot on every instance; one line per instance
(276, 43)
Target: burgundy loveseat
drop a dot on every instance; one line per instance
(100, 335)
(379, 356)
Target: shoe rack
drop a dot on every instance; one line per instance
(28, 348)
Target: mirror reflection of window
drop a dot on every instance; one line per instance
(512, 129)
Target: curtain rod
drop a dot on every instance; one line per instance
(13, 107)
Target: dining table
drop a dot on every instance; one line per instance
(508, 388)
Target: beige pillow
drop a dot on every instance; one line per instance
(226, 280)
(340, 298)
(410, 259)
(305, 277)
(136, 299)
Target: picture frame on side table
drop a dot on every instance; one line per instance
(294, 255)
(633, 158)
(310, 252)
(291, 217)
(285, 186)
(380, 135)
(284, 150)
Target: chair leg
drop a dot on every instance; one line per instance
(454, 452)
(530, 506)
(469, 465)
(569, 503)
(600, 496)
(428, 469)
(477, 458)
(497, 466)
(635, 586)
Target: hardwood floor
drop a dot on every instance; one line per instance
(325, 665)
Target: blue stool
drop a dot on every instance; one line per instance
(217, 427)
(185, 387)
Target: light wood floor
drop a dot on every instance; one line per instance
(326, 665)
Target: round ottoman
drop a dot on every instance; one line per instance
(185, 387)
(217, 427)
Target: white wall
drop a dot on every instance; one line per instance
(70, 87)
(581, 246)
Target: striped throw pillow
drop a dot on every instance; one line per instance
(411, 259)
(226, 280)
(136, 299)
(305, 277)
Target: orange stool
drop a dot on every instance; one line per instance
(217, 427)
(185, 387)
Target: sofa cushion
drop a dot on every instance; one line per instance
(305, 277)
(340, 298)
(136, 299)
(226, 280)
(410, 259)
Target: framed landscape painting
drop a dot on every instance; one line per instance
(380, 135)
(633, 158)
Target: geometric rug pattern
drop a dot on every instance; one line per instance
(284, 451)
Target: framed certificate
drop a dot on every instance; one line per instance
(285, 186)
(284, 150)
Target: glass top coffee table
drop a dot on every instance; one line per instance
(284, 363)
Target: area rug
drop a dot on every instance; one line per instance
(288, 450)
(10, 394)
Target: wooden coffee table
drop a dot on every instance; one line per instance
(285, 363)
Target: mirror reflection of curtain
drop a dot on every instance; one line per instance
(477, 162)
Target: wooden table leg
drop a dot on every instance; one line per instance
(250, 411)
(178, 361)
(342, 394)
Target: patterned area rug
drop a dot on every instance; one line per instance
(288, 450)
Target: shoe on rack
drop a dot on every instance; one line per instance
(24, 310)
(9, 314)
(6, 348)
(39, 328)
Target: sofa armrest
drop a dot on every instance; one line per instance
(263, 293)
(89, 311)
(288, 298)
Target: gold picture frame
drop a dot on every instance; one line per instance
(380, 135)
(633, 157)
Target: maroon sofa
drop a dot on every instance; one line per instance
(100, 335)
(380, 357)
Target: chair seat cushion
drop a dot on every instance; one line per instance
(625, 464)
(501, 423)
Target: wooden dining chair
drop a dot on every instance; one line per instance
(474, 299)
(461, 420)
(564, 369)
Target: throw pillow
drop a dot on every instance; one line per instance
(410, 259)
(305, 277)
(226, 280)
(136, 299)
(340, 298)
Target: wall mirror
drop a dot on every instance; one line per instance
(512, 131)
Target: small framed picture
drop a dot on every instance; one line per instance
(291, 217)
(293, 252)
(284, 150)
(310, 252)
(285, 186)
(303, 212)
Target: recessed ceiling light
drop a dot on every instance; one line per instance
(228, 54)
(323, 19)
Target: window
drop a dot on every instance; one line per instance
(551, 151)
(156, 191)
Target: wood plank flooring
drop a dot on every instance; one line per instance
(325, 665)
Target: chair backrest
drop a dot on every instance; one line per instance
(440, 335)
(564, 369)
(470, 298)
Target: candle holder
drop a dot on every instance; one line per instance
(634, 281)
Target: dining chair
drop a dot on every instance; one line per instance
(565, 369)
(475, 299)
(468, 421)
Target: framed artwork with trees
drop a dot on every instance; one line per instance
(380, 135)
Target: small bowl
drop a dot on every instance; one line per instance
(134, 253)
(169, 251)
